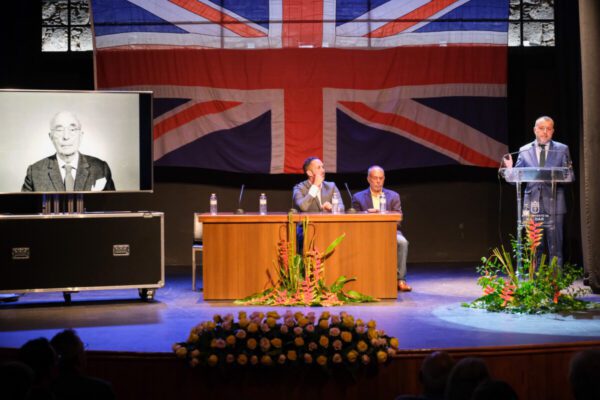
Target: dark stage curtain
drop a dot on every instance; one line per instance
(589, 17)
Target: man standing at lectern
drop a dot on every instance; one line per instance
(544, 152)
(315, 194)
(368, 200)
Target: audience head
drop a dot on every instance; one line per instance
(39, 355)
(494, 390)
(70, 350)
(465, 376)
(434, 373)
(16, 380)
(584, 375)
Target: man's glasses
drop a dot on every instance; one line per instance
(61, 130)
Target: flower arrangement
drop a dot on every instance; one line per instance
(539, 287)
(261, 340)
(301, 276)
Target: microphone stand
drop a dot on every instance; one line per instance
(240, 210)
(351, 210)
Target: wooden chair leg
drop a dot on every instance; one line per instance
(194, 270)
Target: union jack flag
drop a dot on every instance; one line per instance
(258, 86)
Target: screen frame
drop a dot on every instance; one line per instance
(145, 145)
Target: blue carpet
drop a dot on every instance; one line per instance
(430, 317)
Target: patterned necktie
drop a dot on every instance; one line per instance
(542, 155)
(69, 181)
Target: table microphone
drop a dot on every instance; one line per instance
(351, 210)
(240, 210)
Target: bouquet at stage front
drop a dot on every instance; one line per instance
(329, 341)
(301, 276)
(538, 287)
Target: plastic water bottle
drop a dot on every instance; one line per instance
(335, 203)
(262, 204)
(213, 204)
(382, 203)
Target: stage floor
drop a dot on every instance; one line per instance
(430, 317)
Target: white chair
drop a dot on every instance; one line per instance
(196, 247)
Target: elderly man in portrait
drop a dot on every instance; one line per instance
(67, 169)
(368, 200)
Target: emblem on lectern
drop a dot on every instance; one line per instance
(535, 207)
(20, 253)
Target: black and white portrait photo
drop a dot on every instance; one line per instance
(69, 142)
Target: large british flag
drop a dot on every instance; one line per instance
(259, 85)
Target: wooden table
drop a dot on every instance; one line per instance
(239, 250)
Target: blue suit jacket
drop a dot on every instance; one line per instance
(557, 156)
(362, 201)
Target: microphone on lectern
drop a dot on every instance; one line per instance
(509, 156)
(351, 210)
(240, 210)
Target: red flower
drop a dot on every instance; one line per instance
(534, 234)
(318, 269)
(489, 290)
(556, 292)
(283, 254)
(507, 293)
(556, 296)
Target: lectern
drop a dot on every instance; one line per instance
(543, 175)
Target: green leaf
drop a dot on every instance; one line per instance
(339, 283)
(353, 296)
(254, 296)
(333, 245)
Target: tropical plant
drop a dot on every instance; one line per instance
(537, 287)
(300, 277)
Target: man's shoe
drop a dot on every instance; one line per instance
(403, 286)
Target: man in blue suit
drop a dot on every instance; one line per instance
(537, 199)
(368, 200)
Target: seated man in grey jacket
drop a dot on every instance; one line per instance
(315, 194)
